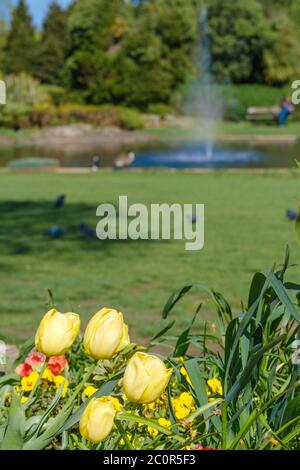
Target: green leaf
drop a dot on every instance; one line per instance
(199, 387)
(9, 379)
(132, 418)
(161, 332)
(256, 288)
(25, 349)
(203, 409)
(283, 295)
(183, 341)
(175, 297)
(13, 438)
(292, 410)
(246, 375)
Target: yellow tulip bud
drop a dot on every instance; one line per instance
(57, 332)
(146, 378)
(97, 420)
(106, 334)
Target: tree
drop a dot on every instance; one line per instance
(132, 55)
(178, 28)
(3, 34)
(53, 46)
(138, 73)
(239, 32)
(91, 40)
(281, 58)
(20, 49)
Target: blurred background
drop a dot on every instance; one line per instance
(162, 100)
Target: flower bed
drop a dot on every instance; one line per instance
(101, 391)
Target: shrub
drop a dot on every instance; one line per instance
(105, 115)
(161, 109)
(16, 115)
(130, 119)
(28, 103)
(22, 88)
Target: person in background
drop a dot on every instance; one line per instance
(95, 163)
(286, 108)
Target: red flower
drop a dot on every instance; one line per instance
(57, 364)
(200, 447)
(35, 358)
(23, 369)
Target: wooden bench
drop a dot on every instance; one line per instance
(263, 114)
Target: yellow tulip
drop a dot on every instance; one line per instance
(97, 420)
(146, 378)
(106, 334)
(57, 332)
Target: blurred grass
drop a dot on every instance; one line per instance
(227, 128)
(246, 230)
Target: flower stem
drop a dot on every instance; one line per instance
(29, 401)
(124, 435)
(80, 385)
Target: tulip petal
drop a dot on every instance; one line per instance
(135, 379)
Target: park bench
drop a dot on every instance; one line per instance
(267, 114)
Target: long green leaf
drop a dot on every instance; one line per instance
(13, 438)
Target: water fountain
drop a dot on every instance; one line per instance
(205, 104)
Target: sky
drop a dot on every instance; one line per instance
(38, 8)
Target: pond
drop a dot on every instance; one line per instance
(171, 155)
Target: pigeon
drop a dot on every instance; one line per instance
(55, 232)
(292, 215)
(87, 231)
(60, 202)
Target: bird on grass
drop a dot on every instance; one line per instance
(87, 231)
(60, 202)
(55, 232)
(291, 214)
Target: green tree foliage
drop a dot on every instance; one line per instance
(239, 33)
(281, 59)
(134, 56)
(140, 73)
(91, 28)
(53, 46)
(20, 49)
(3, 33)
(138, 53)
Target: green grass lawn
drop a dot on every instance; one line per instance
(246, 230)
(227, 128)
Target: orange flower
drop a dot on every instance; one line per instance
(57, 364)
